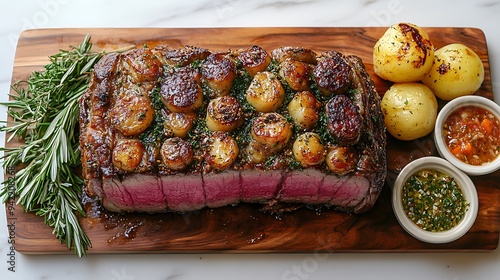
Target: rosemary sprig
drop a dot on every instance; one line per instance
(44, 109)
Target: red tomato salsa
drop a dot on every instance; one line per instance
(472, 135)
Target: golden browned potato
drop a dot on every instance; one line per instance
(143, 65)
(181, 93)
(183, 56)
(457, 71)
(218, 74)
(295, 53)
(176, 153)
(223, 151)
(403, 54)
(179, 124)
(272, 131)
(254, 59)
(224, 114)
(303, 108)
(265, 92)
(410, 110)
(132, 114)
(256, 152)
(128, 154)
(342, 160)
(308, 149)
(297, 74)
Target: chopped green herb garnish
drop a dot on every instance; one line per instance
(433, 200)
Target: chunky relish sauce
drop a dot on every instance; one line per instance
(472, 135)
(433, 200)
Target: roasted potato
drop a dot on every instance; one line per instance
(176, 153)
(272, 131)
(303, 108)
(296, 74)
(296, 53)
(342, 160)
(308, 149)
(254, 60)
(132, 114)
(181, 93)
(224, 114)
(128, 154)
(265, 92)
(410, 110)
(256, 152)
(223, 151)
(218, 74)
(179, 124)
(457, 71)
(403, 54)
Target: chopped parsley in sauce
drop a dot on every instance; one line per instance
(433, 200)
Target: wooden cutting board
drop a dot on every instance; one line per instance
(244, 228)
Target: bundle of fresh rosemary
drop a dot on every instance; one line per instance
(44, 111)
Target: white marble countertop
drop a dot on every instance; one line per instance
(19, 15)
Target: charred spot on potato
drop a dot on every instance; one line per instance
(443, 68)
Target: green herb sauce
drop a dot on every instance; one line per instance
(433, 200)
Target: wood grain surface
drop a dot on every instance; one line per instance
(244, 228)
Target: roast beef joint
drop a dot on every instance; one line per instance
(181, 129)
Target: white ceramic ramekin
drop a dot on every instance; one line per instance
(442, 148)
(468, 190)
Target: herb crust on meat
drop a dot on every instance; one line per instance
(181, 129)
